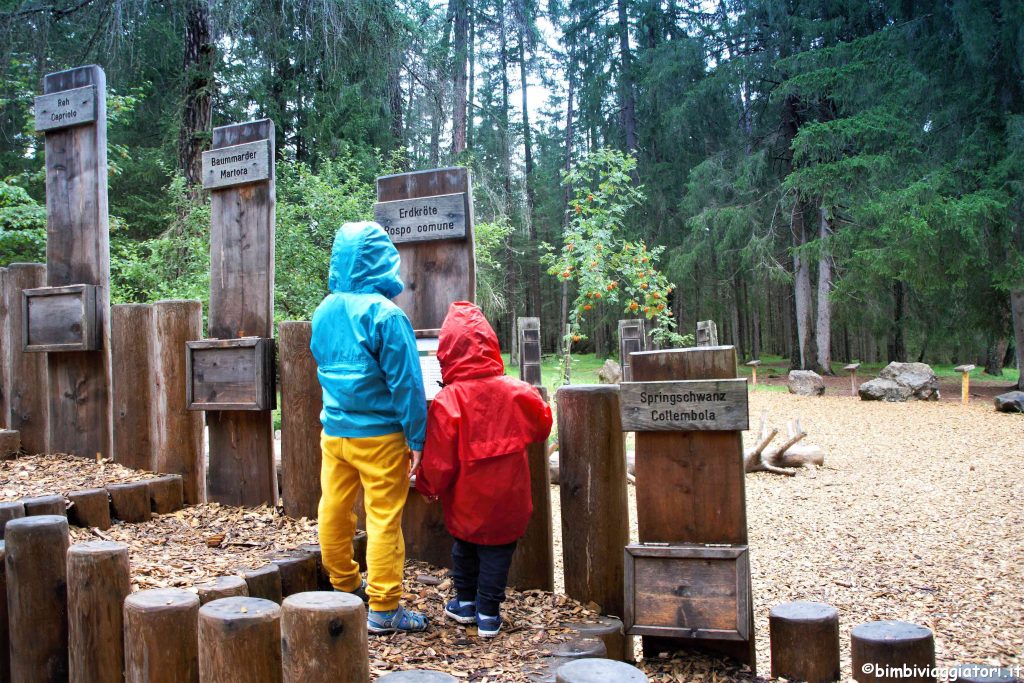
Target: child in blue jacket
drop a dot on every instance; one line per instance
(374, 414)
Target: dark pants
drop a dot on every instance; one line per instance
(480, 573)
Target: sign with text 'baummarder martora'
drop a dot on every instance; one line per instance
(438, 217)
(684, 405)
(248, 162)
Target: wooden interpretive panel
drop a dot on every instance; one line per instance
(632, 339)
(241, 469)
(438, 270)
(66, 108)
(688, 592)
(29, 402)
(61, 319)
(690, 485)
(236, 165)
(78, 252)
(529, 351)
(694, 405)
(230, 374)
(427, 218)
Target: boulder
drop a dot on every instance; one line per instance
(918, 377)
(553, 467)
(610, 373)
(805, 383)
(1010, 402)
(884, 390)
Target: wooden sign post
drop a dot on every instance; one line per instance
(70, 318)
(691, 503)
(429, 217)
(529, 351)
(237, 373)
(632, 339)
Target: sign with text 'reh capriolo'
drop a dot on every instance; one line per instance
(684, 406)
(439, 217)
(236, 165)
(66, 108)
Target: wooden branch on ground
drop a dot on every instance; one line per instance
(788, 455)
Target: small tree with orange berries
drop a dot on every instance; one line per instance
(604, 266)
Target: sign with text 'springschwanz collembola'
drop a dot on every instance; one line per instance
(685, 405)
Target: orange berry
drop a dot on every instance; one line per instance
(656, 295)
(575, 337)
(597, 295)
(643, 285)
(647, 309)
(661, 307)
(587, 307)
(590, 197)
(644, 259)
(579, 210)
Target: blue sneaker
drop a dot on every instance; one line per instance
(462, 614)
(400, 619)
(487, 627)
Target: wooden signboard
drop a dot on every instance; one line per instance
(529, 351)
(707, 333)
(688, 591)
(231, 374)
(236, 165)
(632, 339)
(241, 469)
(66, 108)
(694, 405)
(690, 485)
(61, 319)
(426, 218)
(440, 269)
(78, 253)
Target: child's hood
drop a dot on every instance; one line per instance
(468, 347)
(364, 260)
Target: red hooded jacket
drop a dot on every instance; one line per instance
(478, 428)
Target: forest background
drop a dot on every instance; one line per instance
(828, 180)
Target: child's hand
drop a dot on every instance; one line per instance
(414, 464)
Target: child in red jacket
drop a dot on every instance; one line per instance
(475, 461)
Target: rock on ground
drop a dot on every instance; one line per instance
(610, 372)
(1010, 402)
(805, 383)
(899, 382)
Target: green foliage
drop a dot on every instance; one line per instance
(22, 226)
(489, 241)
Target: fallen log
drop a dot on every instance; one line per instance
(783, 459)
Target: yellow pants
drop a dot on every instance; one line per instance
(379, 464)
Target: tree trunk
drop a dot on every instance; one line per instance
(897, 344)
(472, 76)
(994, 356)
(755, 331)
(1017, 307)
(626, 79)
(533, 270)
(197, 112)
(824, 324)
(801, 290)
(506, 151)
(459, 11)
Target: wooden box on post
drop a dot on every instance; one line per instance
(61, 319)
(230, 374)
(529, 351)
(688, 591)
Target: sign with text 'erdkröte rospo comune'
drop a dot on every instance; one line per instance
(438, 217)
(66, 108)
(248, 162)
(685, 405)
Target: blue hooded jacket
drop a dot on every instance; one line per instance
(364, 345)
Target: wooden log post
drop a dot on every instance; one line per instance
(242, 470)
(5, 353)
(297, 569)
(29, 397)
(129, 502)
(805, 642)
(37, 601)
(98, 583)
(426, 536)
(965, 382)
(691, 485)
(582, 647)
(222, 587)
(240, 641)
(264, 582)
(10, 442)
(609, 631)
(753, 365)
(323, 579)
(10, 509)
(323, 638)
(160, 636)
(166, 494)
(852, 369)
(591, 670)
(632, 339)
(359, 549)
(5, 636)
(529, 351)
(90, 508)
(45, 505)
(301, 403)
(131, 341)
(592, 478)
(417, 676)
(78, 253)
(891, 651)
(533, 566)
(177, 431)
